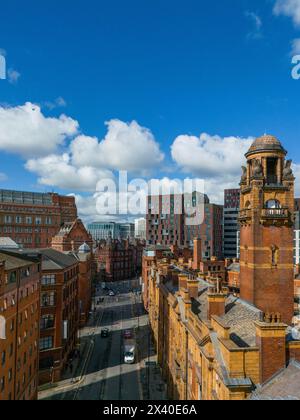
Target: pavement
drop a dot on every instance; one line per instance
(100, 373)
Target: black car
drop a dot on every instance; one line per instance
(104, 333)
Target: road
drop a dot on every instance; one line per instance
(105, 376)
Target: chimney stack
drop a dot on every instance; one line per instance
(271, 340)
(197, 258)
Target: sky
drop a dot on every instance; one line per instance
(162, 89)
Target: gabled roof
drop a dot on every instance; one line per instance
(56, 260)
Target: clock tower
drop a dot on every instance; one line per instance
(267, 230)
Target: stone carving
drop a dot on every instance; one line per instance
(244, 175)
(288, 171)
(257, 168)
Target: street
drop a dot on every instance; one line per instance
(102, 373)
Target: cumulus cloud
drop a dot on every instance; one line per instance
(208, 156)
(217, 160)
(25, 131)
(126, 146)
(289, 8)
(57, 170)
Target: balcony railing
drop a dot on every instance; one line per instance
(275, 213)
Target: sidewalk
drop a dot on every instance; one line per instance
(70, 378)
(153, 387)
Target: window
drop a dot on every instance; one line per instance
(48, 299)
(46, 343)
(48, 279)
(46, 322)
(28, 220)
(18, 219)
(38, 220)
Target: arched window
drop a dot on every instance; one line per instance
(247, 205)
(273, 204)
(2, 328)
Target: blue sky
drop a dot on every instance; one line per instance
(185, 71)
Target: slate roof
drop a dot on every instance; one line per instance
(284, 386)
(13, 262)
(56, 260)
(235, 267)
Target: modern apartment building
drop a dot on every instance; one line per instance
(175, 228)
(230, 222)
(33, 219)
(141, 229)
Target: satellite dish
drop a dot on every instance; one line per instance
(296, 334)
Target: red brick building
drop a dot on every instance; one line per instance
(59, 313)
(71, 236)
(33, 219)
(19, 325)
(167, 223)
(119, 260)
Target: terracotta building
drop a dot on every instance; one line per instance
(59, 313)
(120, 260)
(213, 345)
(19, 325)
(71, 236)
(32, 219)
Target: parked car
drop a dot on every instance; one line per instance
(112, 293)
(105, 333)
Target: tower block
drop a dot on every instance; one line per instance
(266, 218)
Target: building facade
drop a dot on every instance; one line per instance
(119, 260)
(33, 219)
(19, 325)
(213, 344)
(59, 313)
(168, 223)
(141, 229)
(230, 222)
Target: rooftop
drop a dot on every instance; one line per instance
(284, 386)
(266, 143)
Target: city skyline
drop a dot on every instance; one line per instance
(169, 102)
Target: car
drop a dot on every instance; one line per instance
(105, 333)
(128, 334)
(112, 293)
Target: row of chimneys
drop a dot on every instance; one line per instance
(270, 338)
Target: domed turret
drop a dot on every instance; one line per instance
(266, 143)
(84, 249)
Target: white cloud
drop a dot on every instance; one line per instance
(59, 102)
(126, 146)
(289, 8)
(210, 156)
(25, 131)
(3, 177)
(256, 20)
(215, 159)
(295, 47)
(3, 52)
(13, 76)
(57, 170)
